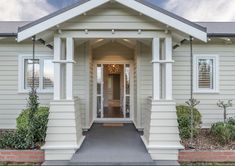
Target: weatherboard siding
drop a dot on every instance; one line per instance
(144, 80)
(111, 16)
(81, 79)
(12, 102)
(181, 80)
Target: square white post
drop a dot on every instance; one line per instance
(57, 68)
(156, 68)
(168, 81)
(69, 68)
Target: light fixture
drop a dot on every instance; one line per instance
(99, 40)
(113, 68)
(59, 31)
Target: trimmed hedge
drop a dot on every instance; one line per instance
(184, 121)
(18, 139)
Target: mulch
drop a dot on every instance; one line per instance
(206, 141)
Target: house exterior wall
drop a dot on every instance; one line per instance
(111, 16)
(81, 79)
(12, 102)
(181, 80)
(144, 80)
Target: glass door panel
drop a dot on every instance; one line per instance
(99, 92)
(127, 91)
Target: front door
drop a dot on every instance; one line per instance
(113, 91)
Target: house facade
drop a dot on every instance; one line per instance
(115, 61)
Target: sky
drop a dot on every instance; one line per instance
(194, 10)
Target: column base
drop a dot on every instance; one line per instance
(64, 130)
(161, 136)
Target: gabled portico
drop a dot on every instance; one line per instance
(156, 115)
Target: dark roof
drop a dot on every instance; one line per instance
(10, 28)
(219, 29)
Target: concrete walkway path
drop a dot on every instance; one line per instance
(120, 145)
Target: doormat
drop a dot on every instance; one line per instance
(113, 124)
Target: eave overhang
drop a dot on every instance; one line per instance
(83, 6)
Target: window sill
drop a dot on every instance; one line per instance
(38, 92)
(206, 92)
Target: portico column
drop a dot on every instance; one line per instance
(57, 68)
(168, 81)
(65, 115)
(69, 68)
(161, 134)
(156, 68)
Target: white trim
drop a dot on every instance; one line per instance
(156, 68)
(148, 11)
(57, 68)
(215, 73)
(168, 69)
(107, 34)
(21, 71)
(124, 62)
(163, 18)
(58, 19)
(69, 68)
(63, 61)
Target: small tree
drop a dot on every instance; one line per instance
(192, 103)
(33, 107)
(224, 105)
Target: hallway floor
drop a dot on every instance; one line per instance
(119, 145)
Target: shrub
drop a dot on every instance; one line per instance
(18, 139)
(231, 121)
(224, 132)
(184, 120)
(39, 124)
(14, 140)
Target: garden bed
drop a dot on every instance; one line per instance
(208, 149)
(206, 141)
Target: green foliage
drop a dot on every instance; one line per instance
(14, 140)
(231, 121)
(33, 107)
(33, 100)
(184, 120)
(224, 132)
(39, 123)
(19, 139)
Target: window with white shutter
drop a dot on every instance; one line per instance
(206, 70)
(43, 73)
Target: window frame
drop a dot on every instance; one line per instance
(216, 70)
(21, 72)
